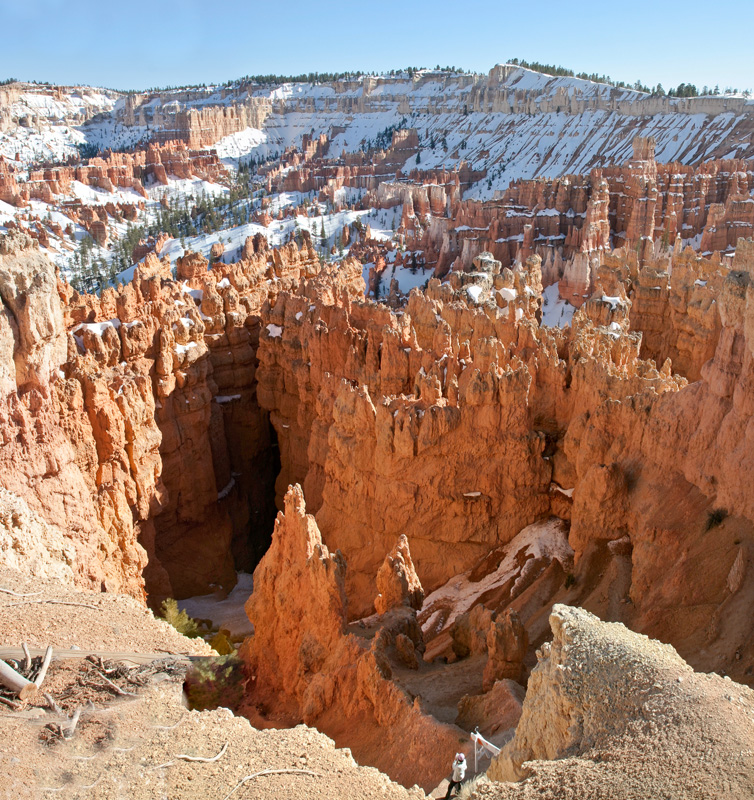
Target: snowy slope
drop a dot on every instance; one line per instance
(41, 123)
(515, 123)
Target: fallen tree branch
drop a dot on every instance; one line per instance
(16, 682)
(194, 758)
(270, 772)
(45, 666)
(18, 594)
(98, 661)
(52, 704)
(15, 706)
(114, 687)
(68, 732)
(56, 602)
(205, 760)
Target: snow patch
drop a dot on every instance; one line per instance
(225, 612)
(546, 540)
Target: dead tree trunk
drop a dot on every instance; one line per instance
(15, 682)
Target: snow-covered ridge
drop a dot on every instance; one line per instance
(518, 87)
(33, 104)
(514, 122)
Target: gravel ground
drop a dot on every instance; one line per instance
(139, 745)
(109, 622)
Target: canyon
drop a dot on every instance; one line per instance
(441, 448)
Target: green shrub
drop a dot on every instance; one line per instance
(214, 682)
(180, 620)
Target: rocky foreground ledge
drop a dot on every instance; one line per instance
(613, 714)
(608, 714)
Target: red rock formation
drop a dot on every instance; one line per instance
(507, 643)
(452, 418)
(397, 581)
(79, 438)
(125, 170)
(305, 666)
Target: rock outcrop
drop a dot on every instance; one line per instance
(507, 643)
(114, 425)
(305, 666)
(397, 581)
(289, 647)
(610, 713)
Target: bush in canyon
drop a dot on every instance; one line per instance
(215, 682)
(180, 620)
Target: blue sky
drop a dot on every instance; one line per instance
(138, 44)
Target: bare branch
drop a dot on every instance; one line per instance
(194, 758)
(114, 687)
(45, 666)
(270, 772)
(27, 656)
(205, 760)
(18, 594)
(53, 705)
(68, 732)
(16, 682)
(56, 602)
(10, 703)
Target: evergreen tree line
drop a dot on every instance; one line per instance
(93, 267)
(682, 90)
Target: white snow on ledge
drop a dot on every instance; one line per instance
(556, 313)
(182, 349)
(472, 494)
(221, 495)
(226, 398)
(97, 328)
(474, 292)
(546, 539)
(225, 612)
(275, 331)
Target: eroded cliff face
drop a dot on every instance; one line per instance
(52, 456)
(147, 432)
(446, 419)
(114, 426)
(305, 665)
(453, 417)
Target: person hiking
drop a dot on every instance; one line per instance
(459, 773)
